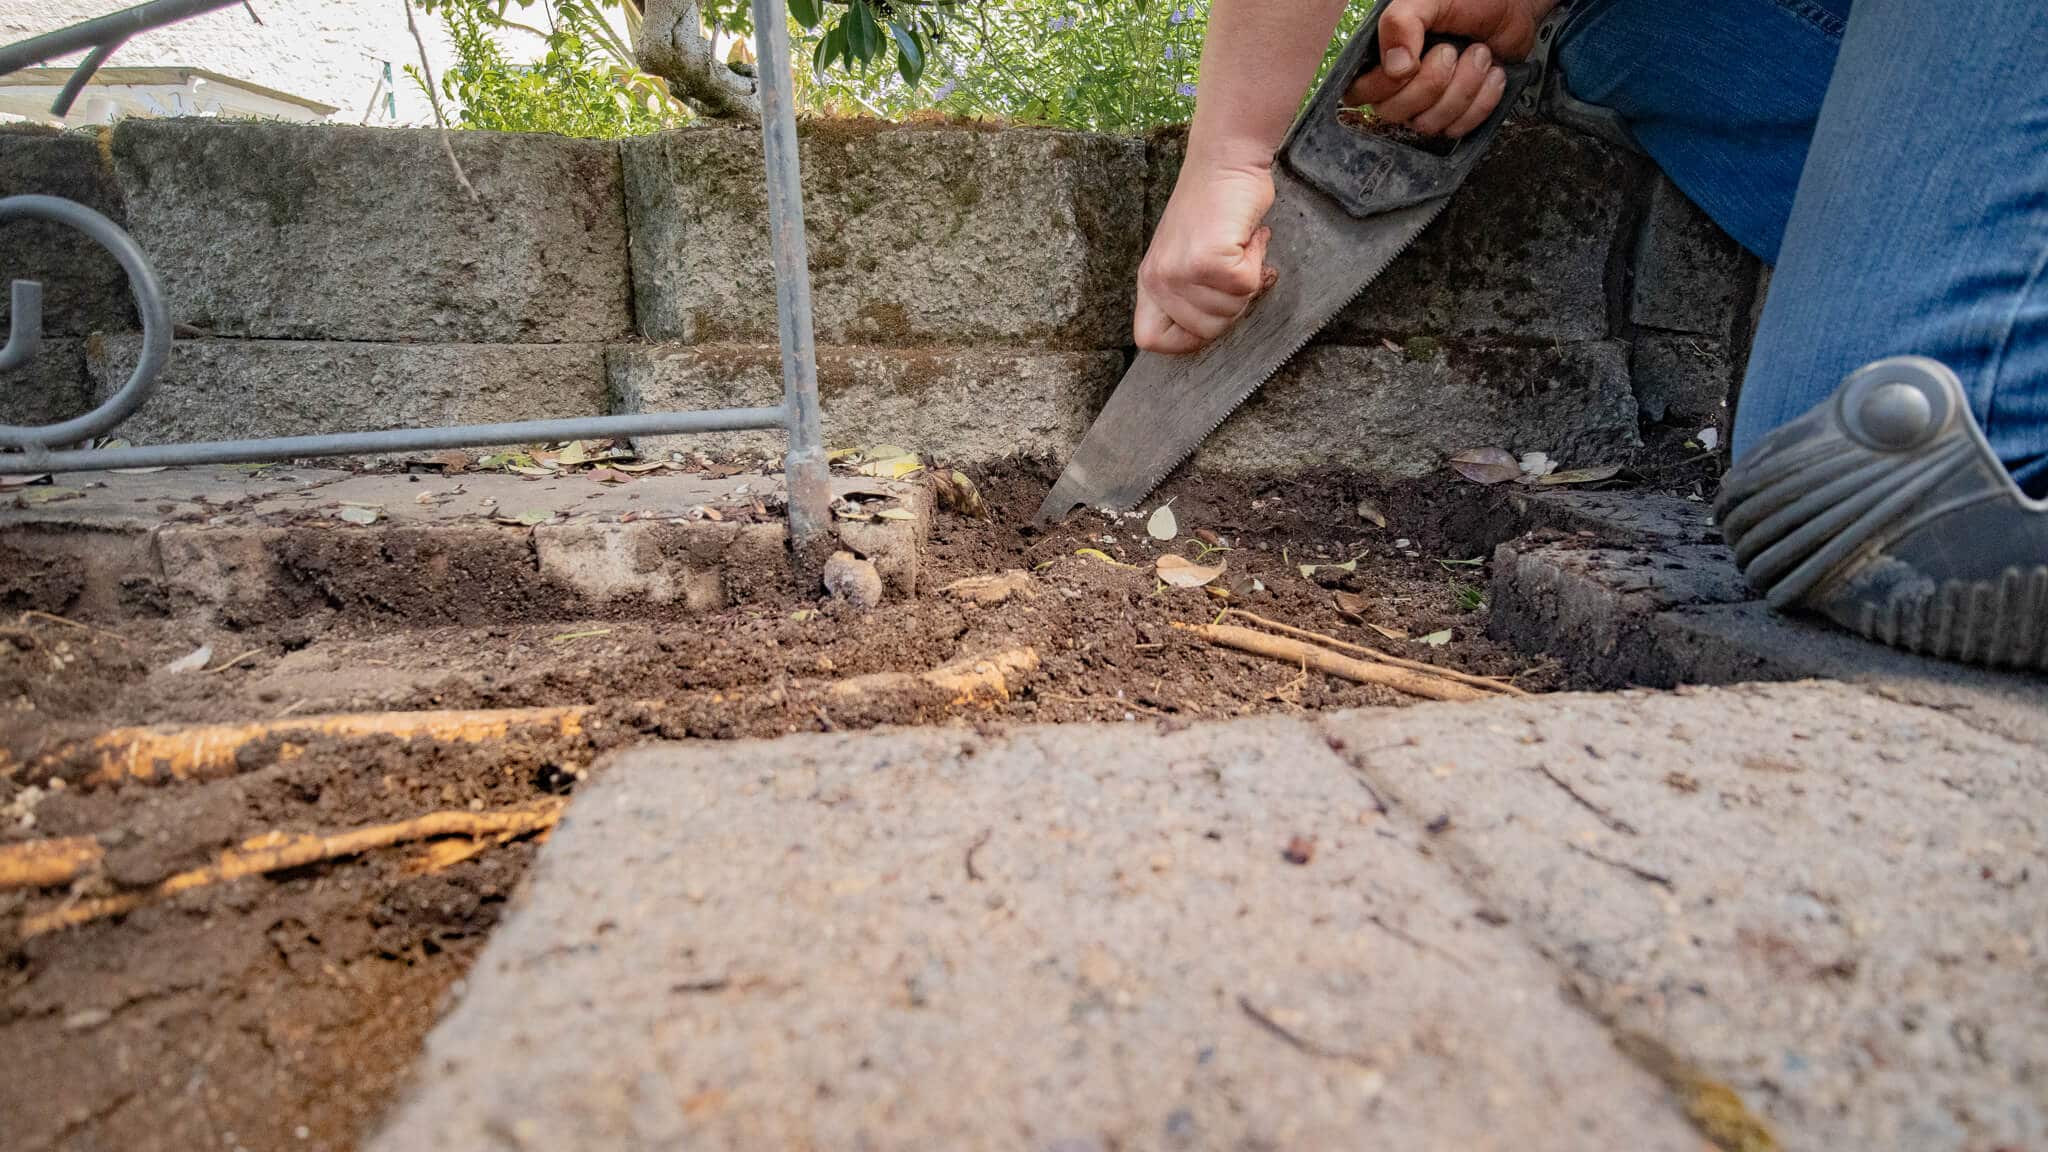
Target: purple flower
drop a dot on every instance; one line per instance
(1176, 16)
(1059, 23)
(1186, 89)
(943, 91)
(1169, 51)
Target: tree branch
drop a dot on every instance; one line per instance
(673, 46)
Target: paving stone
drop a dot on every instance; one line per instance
(234, 389)
(54, 386)
(967, 405)
(918, 234)
(1682, 378)
(1355, 407)
(320, 232)
(1826, 901)
(242, 549)
(84, 288)
(1689, 275)
(1055, 938)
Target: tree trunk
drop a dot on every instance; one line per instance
(673, 46)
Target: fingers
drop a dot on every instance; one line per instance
(1466, 81)
(1482, 106)
(1402, 28)
(1178, 314)
(1424, 89)
(1155, 332)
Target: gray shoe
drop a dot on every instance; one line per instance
(1884, 509)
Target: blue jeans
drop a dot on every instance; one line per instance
(1890, 158)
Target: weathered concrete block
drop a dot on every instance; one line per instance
(1127, 960)
(1681, 377)
(1525, 251)
(333, 233)
(1401, 413)
(231, 389)
(84, 288)
(918, 234)
(54, 386)
(966, 405)
(1689, 275)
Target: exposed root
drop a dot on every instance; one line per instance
(1481, 682)
(276, 851)
(984, 679)
(47, 863)
(1432, 685)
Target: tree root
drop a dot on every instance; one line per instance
(1485, 683)
(1431, 685)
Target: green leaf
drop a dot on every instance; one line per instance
(831, 46)
(806, 12)
(909, 53)
(864, 38)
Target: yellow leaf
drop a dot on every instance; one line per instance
(1181, 572)
(1106, 558)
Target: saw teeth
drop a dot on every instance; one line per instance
(1153, 484)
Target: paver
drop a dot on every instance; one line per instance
(1074, 938)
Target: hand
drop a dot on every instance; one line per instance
(1207, 261)
(1442, 91)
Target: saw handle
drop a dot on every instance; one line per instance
(1368, 173)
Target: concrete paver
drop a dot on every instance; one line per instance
(1058, 938)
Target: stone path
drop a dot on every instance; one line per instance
(1635, 921)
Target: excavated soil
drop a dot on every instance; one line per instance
(282, 1011)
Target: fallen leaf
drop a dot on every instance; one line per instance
(803, 614)
(48, 495)
(959, 495)
(528, 518)
(1389, 633)
(1308, 571)
(1486, 465)
(582, 452)
(1162, 525)
(895, 514)
(1099, 554)
(608, 475)
(192, 661)
(1580, 476)
(632, 469)
(141, 471)
(884, 452)
(1370, 512)
(25, 481)
(1438, 639)
(892, 467)
(359, 513)
(1351, 604)
(836, 455)
(523, 470)
(1181, 572)
(1389, 345)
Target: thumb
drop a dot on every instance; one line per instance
(1403, 27)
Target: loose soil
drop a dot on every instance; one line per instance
(282, 1012)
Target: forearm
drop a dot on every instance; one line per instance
(1257, 61)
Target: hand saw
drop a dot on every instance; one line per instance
(1346, 201)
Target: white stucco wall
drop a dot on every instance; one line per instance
(332, 51)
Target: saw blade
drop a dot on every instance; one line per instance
(1165, 406)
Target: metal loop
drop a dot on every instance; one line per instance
(149, 303)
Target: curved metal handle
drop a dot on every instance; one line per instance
(26, 337)
(1369, 174)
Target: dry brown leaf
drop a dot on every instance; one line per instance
(1486, 465)
(1389, 633)
(1579, 476)
(1181, 572)
(1350, 604)
(1371, 514)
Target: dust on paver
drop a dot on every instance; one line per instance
(1076, 938)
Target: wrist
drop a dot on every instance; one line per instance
(1216, 153)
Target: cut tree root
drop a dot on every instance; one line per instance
(46, 863)
(981, 679)
(1431, 685)
(209, 751)
(1482, 682)
(276, 851)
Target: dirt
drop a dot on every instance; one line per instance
(282, 1012)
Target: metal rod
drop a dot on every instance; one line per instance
(81, 76)
(807, 475)
(391, 440)
(110, 29)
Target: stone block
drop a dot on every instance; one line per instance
(918, 234)
(84, 288)
(776, 944)
(1525, 251)
(291, 232)
(964, 405)
(1682, 378)
(1689, 275)
(1401, 413)
(235, 389)
(54, 386)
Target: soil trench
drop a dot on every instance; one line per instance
(282, 1011)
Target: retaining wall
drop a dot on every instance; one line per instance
(973, 290)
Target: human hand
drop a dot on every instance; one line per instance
(1442, 91)
(1207, 261)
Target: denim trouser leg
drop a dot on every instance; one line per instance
(1920, 221)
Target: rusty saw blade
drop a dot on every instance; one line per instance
(1166, 406)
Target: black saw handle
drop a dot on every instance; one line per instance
(1367, 173)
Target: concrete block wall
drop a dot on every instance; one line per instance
(973, 290)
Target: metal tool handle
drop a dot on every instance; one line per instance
(1369, 174)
